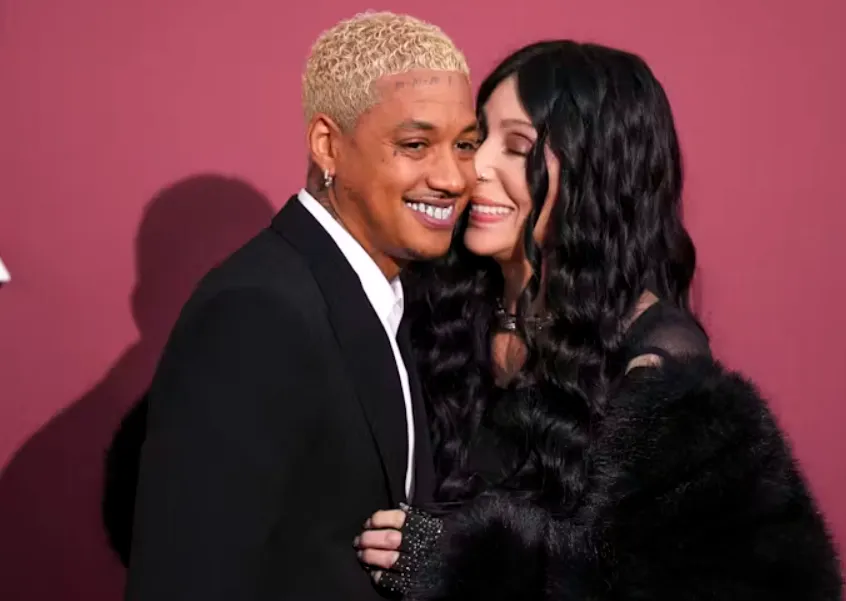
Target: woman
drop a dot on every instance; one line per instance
(588, 447)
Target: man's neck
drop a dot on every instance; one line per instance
(321, 195)
(389, 266)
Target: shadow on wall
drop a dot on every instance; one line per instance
(52, 541)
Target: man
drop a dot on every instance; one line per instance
(286, 409)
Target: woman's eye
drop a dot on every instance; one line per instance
(518, 145)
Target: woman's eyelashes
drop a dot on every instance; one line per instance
(519, 145)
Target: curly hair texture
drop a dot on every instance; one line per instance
(615, 231)
(347, 59)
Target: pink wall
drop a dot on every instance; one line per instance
(107, 105)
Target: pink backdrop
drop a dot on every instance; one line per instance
(141, 142)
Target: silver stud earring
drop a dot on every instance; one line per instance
(328, 179)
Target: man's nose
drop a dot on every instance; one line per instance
(447, 175)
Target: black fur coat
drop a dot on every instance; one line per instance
(694, 495)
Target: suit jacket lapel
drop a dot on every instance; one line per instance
(361, 337)
(424, 469)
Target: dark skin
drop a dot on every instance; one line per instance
(414, 145)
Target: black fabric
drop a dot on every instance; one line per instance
(662, 329)
(693, 495)
(276, 427)
(667, 331)
(423, 488)
(420, 533)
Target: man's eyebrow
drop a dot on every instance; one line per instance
(416, 125)
(472, 128)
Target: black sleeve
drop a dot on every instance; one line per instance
(669, 332)
(675, 339)
(230, 407)
(492, 548)
(694, 495)
(697, 496)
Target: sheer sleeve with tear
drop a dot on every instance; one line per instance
(668, 332)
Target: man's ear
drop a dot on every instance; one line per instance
(323, 142)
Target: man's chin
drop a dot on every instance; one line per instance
(427, 252)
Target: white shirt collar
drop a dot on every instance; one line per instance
(385, 297)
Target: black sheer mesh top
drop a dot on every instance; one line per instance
(662, 329)
(667, 331)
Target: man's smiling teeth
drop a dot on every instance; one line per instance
(491, 210)
(440, 213)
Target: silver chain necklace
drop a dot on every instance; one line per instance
(507, 322)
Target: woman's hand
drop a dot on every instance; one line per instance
(379, 545)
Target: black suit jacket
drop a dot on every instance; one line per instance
(276, 427)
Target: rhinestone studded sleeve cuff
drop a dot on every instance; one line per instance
(420, 534)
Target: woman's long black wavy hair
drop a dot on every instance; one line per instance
(615, 231)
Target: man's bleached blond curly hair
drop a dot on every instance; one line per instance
(346, 60)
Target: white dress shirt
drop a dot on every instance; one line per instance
(385, 297)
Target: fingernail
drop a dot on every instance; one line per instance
(395, 538)
(356, 541)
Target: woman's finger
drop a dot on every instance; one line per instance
(378, 558)
(388, 540)
(391, 518)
